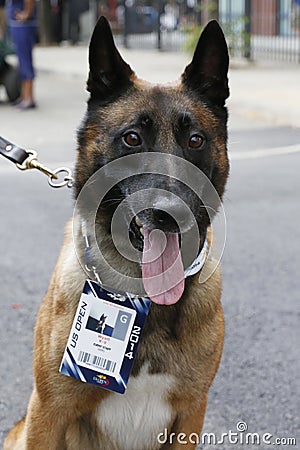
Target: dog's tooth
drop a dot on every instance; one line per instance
(142, 231)
(137, 221)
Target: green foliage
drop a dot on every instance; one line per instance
(192, 36)
(5, 49)
(238, 40)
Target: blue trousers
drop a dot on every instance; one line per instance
(24, 38)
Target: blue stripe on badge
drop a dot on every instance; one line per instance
(70, 368)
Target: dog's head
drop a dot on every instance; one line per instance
(157, 133)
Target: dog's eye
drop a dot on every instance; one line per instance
(132, 139)
(196, 141)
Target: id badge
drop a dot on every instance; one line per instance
(104, 336)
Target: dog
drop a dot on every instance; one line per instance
(101, 324)
(181, 344)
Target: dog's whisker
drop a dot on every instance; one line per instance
(112, 201)
(90, 182)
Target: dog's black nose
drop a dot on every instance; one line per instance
(162, 217)
(172, 218)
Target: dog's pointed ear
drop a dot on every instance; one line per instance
(207, 73)
(109, 73)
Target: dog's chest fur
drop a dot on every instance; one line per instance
(133, 420)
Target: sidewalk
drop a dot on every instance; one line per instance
(268, 93)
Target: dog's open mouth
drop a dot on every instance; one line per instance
(162, 266)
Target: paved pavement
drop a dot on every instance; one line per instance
(261, 92)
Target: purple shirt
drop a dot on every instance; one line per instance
(15, 6)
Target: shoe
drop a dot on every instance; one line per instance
(17, 102)
(25, 104)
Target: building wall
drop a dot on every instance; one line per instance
(264, 17)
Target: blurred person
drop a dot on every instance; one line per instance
(76, 8)
(296, 17)
(57, 7)
(170, 19)
(2, 19)
(120, 14)
(22, 20)
(74, 21)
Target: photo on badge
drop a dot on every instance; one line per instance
(108, 320)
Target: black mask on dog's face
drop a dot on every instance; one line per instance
(185, 122)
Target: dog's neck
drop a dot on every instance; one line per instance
(105, 264)
(101, 260)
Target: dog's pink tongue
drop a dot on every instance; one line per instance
(162, 267)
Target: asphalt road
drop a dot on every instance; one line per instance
(258, 380)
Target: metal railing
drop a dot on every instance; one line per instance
(255, 29)
(263, 29)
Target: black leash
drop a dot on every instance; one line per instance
(27, 159)
(12, 152)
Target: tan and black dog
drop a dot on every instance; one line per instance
(182, 341)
